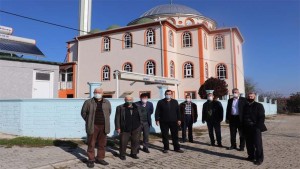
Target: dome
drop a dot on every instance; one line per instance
(171, 9)
(141, 21)
(113, 27)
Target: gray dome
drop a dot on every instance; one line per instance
(171, 9)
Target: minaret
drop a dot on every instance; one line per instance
(85, 10)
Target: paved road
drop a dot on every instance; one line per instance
(281, 148)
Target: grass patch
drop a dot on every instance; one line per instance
(38, 142)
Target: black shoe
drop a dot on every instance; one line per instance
(240, 149)
(249, 158)
(146, 150)
(191, 141)
(122, 157)
(134, 156)
(183, 140)
(102, 162)
(257, 162)
(165, 151)
(213, 144)
(179, 151)
(220, 145)
(90, 164)
(231, 148)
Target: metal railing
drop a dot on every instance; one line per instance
(65, 85)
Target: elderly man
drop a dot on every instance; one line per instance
(128, 120)
(96, 113)
(253, 125)
(234, 116)
(212, 114)
(167, 115)
(189, 115)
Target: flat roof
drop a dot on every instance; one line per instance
(8, 57)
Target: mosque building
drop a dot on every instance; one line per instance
(170, 46)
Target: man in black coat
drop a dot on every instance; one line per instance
(234, 116)
(128, 120)
(212, 114)
(167, 116)
(253, 125)
(189, 115)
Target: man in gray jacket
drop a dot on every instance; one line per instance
(96, 113)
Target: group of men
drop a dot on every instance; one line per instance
(244, 116)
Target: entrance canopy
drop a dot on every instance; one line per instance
(149, 79)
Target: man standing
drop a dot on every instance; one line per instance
(167, 116)
(96, 113)
(212, 114)
(128, 121)
(253, 125)
(234, 116)
(189, 115)
(145, 128)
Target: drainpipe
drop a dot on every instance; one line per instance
(161, 50)
(232, 60)
(77, 71)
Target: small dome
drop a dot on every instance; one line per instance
(141, 21)
(171, 9)
(113, 27)
(95, 31)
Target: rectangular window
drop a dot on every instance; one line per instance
(146, 92)
(69, 77)
(107, 96)
(42, 76)
(191, 93)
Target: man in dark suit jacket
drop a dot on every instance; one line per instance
(189, 115)
(253, 125)
(146, 125)
(234, 116)
(167, 116)
(212, 114)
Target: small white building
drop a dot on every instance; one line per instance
(23, 78)
(168, 41)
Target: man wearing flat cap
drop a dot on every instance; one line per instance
(212, 114)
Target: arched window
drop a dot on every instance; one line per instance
(221, 71)
(105, 73)
(188, 70)
(106, 44)
(127, 67)
(205, 41)
(172, 69)
(219, 42)
(206, 71)
(150, 68)
(150, 37)
(128, 40)
(187, 39)
(172, 20)
(171, 38)
(189, 22)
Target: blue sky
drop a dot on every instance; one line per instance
(271, 29)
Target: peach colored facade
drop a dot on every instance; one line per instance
(88, 53)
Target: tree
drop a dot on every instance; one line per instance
(274, 95)
(251, 86)
(293, 103)
(219, 87)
